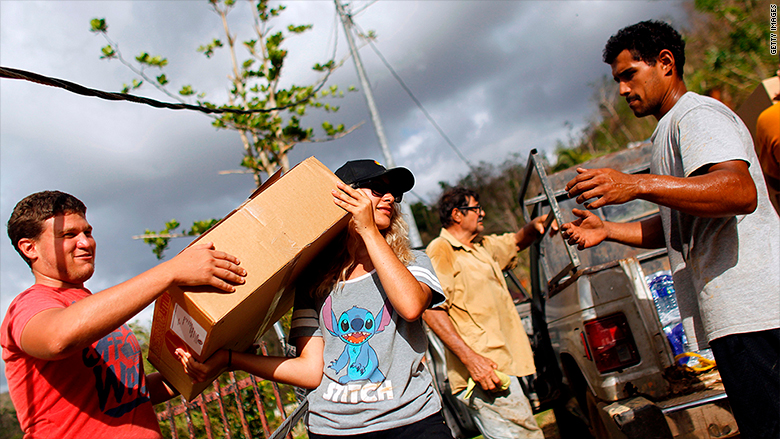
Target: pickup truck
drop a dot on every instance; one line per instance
(597, 334)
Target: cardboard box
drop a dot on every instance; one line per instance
(275, 234)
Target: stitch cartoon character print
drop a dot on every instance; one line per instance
(355, 327)
(373, 373)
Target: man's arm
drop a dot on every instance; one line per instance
(480, 368)
(60, 332)
(159, 389)
(529, 232)
(720, 190)
(589, 230)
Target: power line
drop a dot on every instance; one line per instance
(416, 101)
(6, 72)
(366, 6)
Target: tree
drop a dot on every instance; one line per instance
(274, 127)
(9, 423)
(728, 48)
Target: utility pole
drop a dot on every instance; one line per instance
(346, 20)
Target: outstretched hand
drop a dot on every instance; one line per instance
(607, 185)
(202, 264)
(538, 225)
(586, 231)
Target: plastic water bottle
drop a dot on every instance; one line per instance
(662, 288)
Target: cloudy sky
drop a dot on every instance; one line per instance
(498, 77)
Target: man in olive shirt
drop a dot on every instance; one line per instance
(478, 322)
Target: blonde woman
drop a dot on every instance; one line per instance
(356, 322)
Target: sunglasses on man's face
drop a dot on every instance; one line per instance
(476, 208)
(378, 190)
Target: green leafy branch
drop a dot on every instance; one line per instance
(144, 60)
(269, 135)
(159, 241)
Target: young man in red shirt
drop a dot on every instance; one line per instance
(74, 367)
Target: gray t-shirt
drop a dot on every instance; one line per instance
(374, 377)
(726, 270)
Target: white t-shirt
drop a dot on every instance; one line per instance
(726, 270)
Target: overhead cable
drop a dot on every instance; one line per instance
(10, 73)
(417, 102)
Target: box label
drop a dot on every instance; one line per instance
(183, 325)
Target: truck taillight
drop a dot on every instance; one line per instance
(611, 343)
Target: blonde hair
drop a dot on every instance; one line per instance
(337, 261)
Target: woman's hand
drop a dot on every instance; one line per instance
(198, 371)
(359, 205)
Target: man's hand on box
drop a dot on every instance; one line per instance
(201, 264)
(198, 371)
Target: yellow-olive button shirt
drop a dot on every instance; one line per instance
(478, 303)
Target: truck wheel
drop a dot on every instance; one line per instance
(570, 426)
(598, 427)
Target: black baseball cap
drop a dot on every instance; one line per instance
(369, 173)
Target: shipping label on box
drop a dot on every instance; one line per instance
(274, 234)
(190, 332)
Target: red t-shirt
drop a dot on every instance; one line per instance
(98, 393)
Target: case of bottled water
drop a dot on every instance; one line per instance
(662, 288)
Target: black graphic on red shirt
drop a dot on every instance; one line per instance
(116, 363)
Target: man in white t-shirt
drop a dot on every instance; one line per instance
(716, 220)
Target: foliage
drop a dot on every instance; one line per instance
(267, 396)
(142, 334)
(427, 220)
(159, 241)
(612, 128)
(249, 407)
(9, 423)
(728, 48)
(267, 135)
